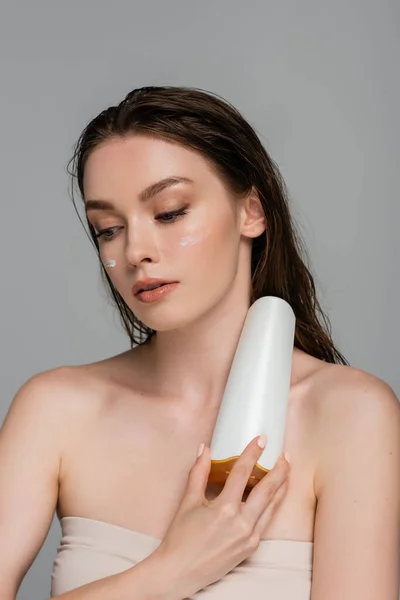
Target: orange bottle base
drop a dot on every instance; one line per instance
(220, 470)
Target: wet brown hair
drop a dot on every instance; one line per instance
(205, 122)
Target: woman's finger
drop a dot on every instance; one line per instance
(238, 478)
(264, 491)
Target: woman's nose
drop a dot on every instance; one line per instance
(141, 246)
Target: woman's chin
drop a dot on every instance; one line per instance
(166, 322)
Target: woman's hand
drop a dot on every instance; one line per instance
(207, 539)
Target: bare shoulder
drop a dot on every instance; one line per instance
(58, 397)
(74, 392)
(350, 395)
(342, 390)
(350, 407)
(51, 388)
(44, 392)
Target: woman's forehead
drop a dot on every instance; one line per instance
(139, 162)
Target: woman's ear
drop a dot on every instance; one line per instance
(252, 216)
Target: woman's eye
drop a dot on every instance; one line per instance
(107, 234)
(170, 217)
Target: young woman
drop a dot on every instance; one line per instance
(179, 191)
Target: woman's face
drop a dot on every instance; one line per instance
(201, 247)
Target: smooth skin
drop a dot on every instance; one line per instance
(74, 438)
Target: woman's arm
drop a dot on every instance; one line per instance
(357, 526)
(31, 439)
(29, 464)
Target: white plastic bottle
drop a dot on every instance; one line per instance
(256, 394)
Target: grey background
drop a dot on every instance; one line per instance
(319, 81)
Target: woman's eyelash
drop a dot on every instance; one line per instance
(172, 216)
(167, 217)
(104, 233)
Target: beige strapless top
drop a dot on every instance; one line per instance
(90, 550)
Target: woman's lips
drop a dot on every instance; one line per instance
(147, 282)
(157, 293)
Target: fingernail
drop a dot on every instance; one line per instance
(200, 451)
(262, 440)
(287, 456)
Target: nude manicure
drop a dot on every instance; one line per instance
(262, 440)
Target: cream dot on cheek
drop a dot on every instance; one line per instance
(110, 262)
(189, 240)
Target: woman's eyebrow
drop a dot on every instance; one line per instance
(146, 194)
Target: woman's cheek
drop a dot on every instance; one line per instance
(111, 266)
(117, 278)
